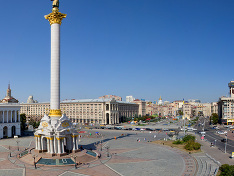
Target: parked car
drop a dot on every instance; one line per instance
(224, 140)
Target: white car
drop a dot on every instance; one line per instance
(220, 132)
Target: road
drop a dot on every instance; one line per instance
(213, 137)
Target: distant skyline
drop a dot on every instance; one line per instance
(174, 49)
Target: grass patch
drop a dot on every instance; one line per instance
(179, 146)
(141, 125)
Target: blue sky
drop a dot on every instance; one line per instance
(146, 48)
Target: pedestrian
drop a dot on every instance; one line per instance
(155, 136)
(145, 139)
(137, 139)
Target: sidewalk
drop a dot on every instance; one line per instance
(214, 152)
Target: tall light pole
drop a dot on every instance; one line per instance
(225, 143)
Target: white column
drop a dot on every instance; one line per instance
(55, 67)
(36, 143)
(77, 147)
(48, 145)
(55, 145)
(51, 146)
(62, 147)
(3, 116)
(39, 143)
(74, 144)
(11, 116)
(7, 116)
(15, 117)
(59, 145)
(18, 116)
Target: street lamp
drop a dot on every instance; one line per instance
(107, 149)
(10, 150)
(17, 144)
(34, 157)
(101, 145)
(74, 157)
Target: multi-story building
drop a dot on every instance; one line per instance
(226, 107)
(118, 98)
(130, 98)
(9, 116)
(142, 107)
(95, 111)
(214, 108)
(187, 110)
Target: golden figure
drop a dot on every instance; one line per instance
(55, 3)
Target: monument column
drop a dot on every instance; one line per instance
(55, 18)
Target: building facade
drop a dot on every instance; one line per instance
(226, 107)
(9, 116)
(94, 111)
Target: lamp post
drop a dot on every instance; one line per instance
(34, 157)
(225, 143)
(107, 149)
(101, 145)
(74, 157)
(17, 144)
(10, 150)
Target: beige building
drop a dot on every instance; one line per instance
(95, 111)
(226, 107)
(214, 107)
(142, 107)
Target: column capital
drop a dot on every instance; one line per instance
(55, 16)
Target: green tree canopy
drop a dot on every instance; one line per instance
(215, 118)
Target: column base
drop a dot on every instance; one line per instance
(40, 151)
(75, 151)
(61, 154)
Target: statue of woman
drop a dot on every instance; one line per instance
(55, 3)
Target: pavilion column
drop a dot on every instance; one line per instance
(39, 142)
(51, 145)
(36, 142)
(11, 116)
(59, 145)
(48, 144)
(74, 144)
(15, 117)
(62, 147)
(77, 147)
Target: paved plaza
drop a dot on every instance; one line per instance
(131, 153)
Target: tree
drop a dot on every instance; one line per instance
(23, 121)
(215, 118)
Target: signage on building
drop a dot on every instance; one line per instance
(230, 120)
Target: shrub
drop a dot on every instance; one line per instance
(226, 170)
(191, 145)
(178, 142)
(196, 146)
(188, 138)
